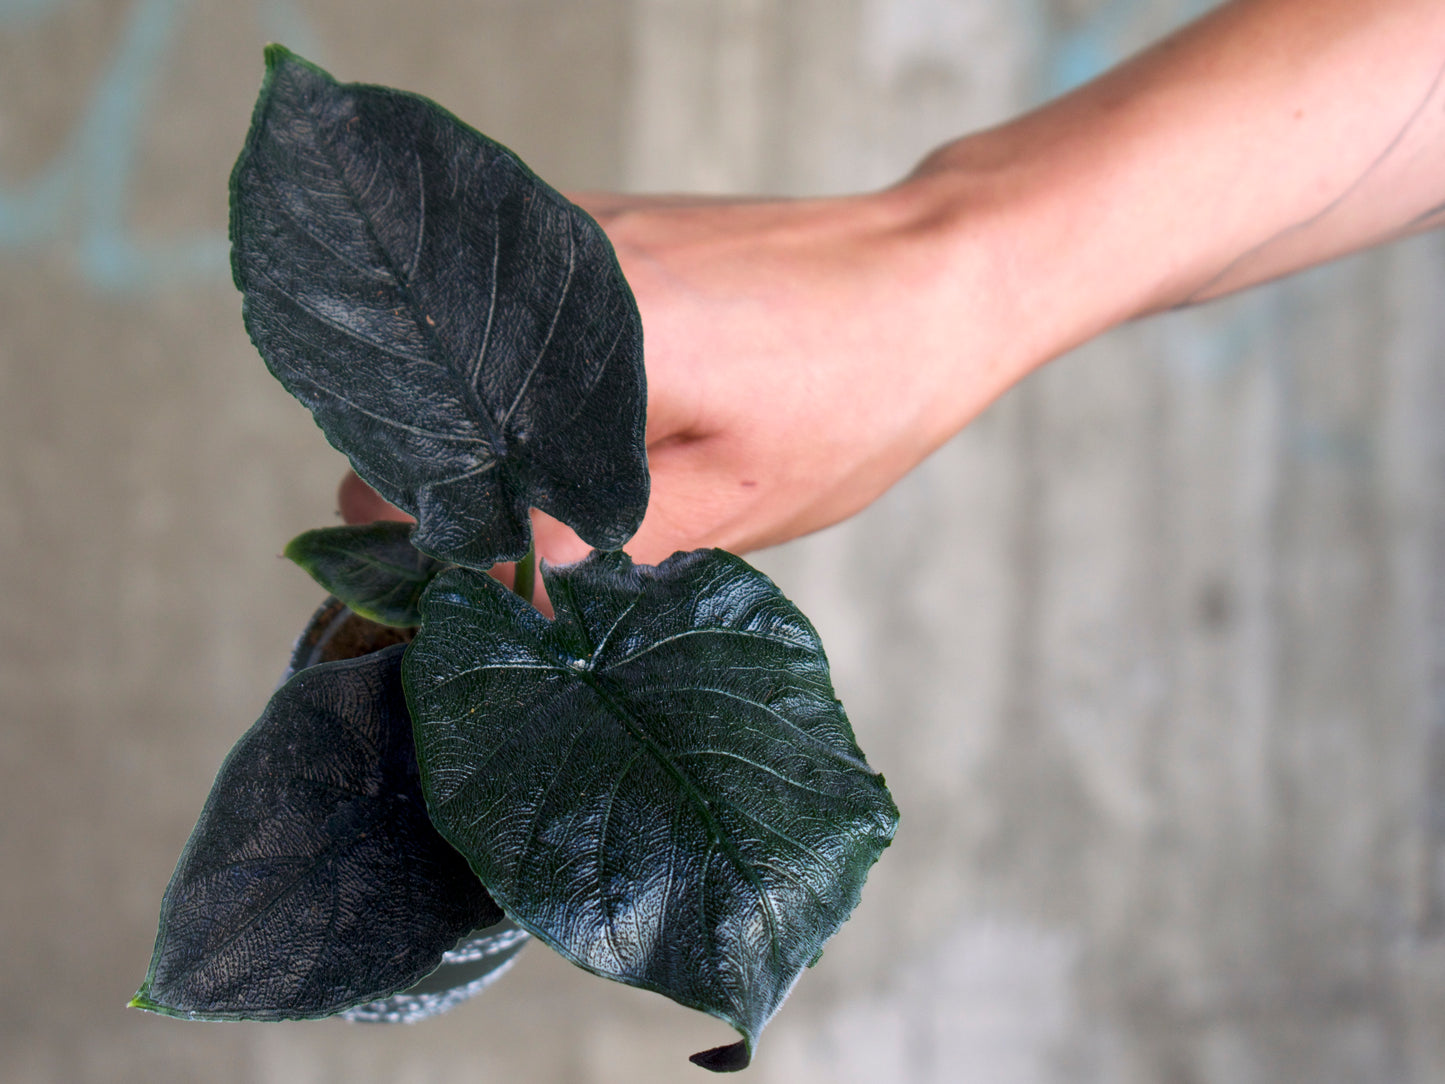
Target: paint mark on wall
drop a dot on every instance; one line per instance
(18, 11)
(1114, 29)
(77, 203)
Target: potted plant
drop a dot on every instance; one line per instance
(658, 782)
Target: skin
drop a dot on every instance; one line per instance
(803, 355)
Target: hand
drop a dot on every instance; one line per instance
(801, 357)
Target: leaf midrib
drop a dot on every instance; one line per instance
(403, 282)
(601, 688)
(406, 573)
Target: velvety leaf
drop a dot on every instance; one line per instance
(660, 784)
(374, 569)
(313, 880)
(459, 329)
(465, 972)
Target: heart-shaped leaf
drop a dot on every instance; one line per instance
(459, 329)
(465, 972)
(313, 880)
(660, 784)
(374, 569)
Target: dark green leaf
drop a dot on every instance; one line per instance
(374, 569)
(313, 880)
(660, 783)
(465, 972)
(460, 330)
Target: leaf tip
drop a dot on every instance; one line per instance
(276, 55)
(294, 552)
(724, 1059)
(280, 59)
(143, 1000)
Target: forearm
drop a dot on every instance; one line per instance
(1268, 136)
(803, 355)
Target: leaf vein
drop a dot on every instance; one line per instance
(633, 725)
(602, 643)
(402, 572)
(347, 329)
(355, 265)
(821, 743)
(602, 848)
(755, 764)
(420, 216)
(432, 690)
(454, 438)
(476, 370)
(655, 644)
(551, 328)
(311, 864)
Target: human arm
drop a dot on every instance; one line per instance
(803, 355)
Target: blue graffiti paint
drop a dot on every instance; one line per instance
(1099, 41)
(1076, 54)
(1106, 36)
(1213, 349)
(109, 137)
(19, 11)
(78, 203)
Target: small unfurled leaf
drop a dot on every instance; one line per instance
(660, 784)
(314, 880)
(459, 329)
(465, 972)
(374, 568)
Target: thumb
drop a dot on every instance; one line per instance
(359, 503)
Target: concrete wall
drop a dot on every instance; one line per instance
(1155, 666)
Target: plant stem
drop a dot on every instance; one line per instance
(525, 576)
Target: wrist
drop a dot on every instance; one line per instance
(1017, 274)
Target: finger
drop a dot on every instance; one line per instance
(359, 503)
(697, 500)
(505, 572)
(601, 205)
(556, 543)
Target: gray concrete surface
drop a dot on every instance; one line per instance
(1153, 654)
